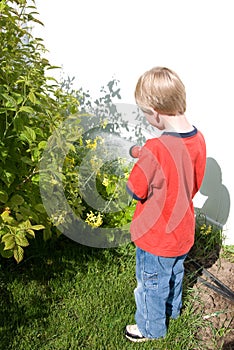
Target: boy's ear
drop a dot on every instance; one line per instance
(152, 111)
(156, 115)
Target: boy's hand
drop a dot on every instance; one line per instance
(135, 151)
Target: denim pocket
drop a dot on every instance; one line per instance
(151, 280)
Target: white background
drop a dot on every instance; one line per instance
(96, 40)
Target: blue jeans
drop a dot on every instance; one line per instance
(158, 293)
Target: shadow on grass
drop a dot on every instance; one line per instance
(13, 314)
(205, 251)
(20, 307)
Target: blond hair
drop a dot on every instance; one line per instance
(161, 89)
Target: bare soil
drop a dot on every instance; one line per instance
(216, 309)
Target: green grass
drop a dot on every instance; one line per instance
(228, 253)
(67, 296)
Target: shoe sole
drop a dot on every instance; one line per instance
(135, 339)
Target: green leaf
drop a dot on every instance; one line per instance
(19, 217)
(28, 135)
(37, 227)
(54, 67)
(36, 179)
(10, 101)
(28, 212)
(26, 109)
(47, 234)
(18, 98)
(3, 196)
(3, 153)
(32, 97)
(42, 145)
(2, 6)
(7, 177)
(9, 241)
(5, 253)
(30, 233)
(6, 217)
(40, 208)
(25, 225)
(18, 253)
(21, 240)
(17, 200)
(27, 160)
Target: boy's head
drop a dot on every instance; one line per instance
(162, 90)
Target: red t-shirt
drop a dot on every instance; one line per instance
(164, 180)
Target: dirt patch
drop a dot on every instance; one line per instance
(216, 309)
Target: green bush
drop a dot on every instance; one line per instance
(33, 105)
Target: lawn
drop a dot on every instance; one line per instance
(68, 296)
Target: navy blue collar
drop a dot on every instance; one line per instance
(181, 134)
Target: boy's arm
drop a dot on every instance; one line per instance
(140, 179)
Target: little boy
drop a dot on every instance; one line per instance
(164, 180)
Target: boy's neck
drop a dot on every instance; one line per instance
(177, 123)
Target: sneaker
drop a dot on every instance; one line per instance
(132, 333)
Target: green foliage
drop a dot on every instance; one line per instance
(33, 106)
(208, 241)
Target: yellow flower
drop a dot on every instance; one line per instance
(105, 181)
(59, 217)
(92, 144)
(105, 122)
(94, 220)
(206, 230)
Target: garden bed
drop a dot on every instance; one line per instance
(216, 309)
